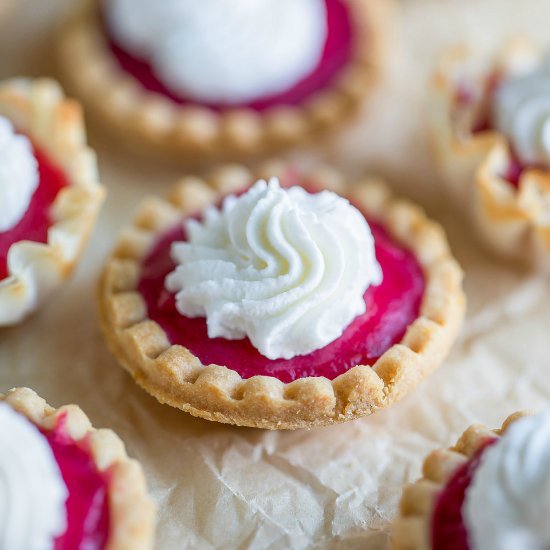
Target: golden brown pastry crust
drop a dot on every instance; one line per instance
(513, 222)
(40, 109)
(194, 133)
(176, 377)
(131, 510)
(411, 530)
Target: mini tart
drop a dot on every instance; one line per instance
(131, 510)
(192, 132)
(54, 124)
(175, 376)
(509, 205)
(413, 528)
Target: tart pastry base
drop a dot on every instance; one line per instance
(131, 510)
(513, 222)
(412, 529)
(173, 375)
(192, 133)
(40, 110)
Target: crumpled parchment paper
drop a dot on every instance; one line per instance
(225, 487)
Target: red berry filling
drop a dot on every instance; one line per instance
(87, 505)
(465, 98)
(391, 308)
(448, 528)
(336, 54)
(36, 221)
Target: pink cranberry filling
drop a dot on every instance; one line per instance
(87, 505)
(336, 54)
(448, 528)
(391, 308)
(35, 223)
(464, 98)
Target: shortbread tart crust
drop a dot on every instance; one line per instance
(412, 528)
(514, 222)
(131, 510)
(193, 133)
(173, 375)
(40, 110)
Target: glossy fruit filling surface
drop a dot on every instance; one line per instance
(448, 527)
(87, 505)
(336, 54)
(390, 308)
(465, 98)
(36, 221)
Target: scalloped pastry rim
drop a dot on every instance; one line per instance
(40, 108)
(131, 509)
(508, 219)
(411, 530)
(193, 133)
(176, 377)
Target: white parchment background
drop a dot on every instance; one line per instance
(225, 487)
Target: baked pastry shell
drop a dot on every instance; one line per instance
(511, 221)
(412, 528)
(173, 375)
(131, 510)
(40, 109)
(193, 133)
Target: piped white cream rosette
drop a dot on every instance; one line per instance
(39, 109)
(512, 220)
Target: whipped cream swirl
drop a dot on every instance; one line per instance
(522, 114)
(508, 504)
(223, 52)
(32, 491)
(18, 175)
(284, 267)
